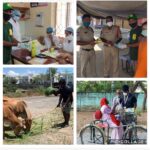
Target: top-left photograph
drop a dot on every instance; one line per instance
(38, 33)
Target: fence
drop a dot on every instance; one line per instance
(90, 101)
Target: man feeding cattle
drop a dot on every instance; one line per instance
(65, 100)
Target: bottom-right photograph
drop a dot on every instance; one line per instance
(112, 112)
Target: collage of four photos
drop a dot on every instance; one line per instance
(75, 72)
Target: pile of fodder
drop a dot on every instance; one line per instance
(46, 124)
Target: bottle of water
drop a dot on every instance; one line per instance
(33, 49)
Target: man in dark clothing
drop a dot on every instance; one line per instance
(65, 100)
(8, 39)
(133, 45)
(129, 100)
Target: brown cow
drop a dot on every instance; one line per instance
(17, 114)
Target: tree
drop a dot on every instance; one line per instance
(141, 84)
(50, 74)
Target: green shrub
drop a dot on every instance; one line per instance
(49, 91)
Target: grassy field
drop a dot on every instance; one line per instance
(45, 131)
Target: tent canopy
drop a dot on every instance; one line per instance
(121, 9)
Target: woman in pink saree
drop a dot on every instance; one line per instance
(117, 129)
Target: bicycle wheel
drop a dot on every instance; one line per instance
(135, 135)
(92, 135)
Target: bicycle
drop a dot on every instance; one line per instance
(97, 132)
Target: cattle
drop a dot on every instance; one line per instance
(16, 115)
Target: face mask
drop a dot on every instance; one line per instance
(6, 17)
(69, 37)
(133, 25)
(86, 24)
(50, 34)
(16, 18)
(144, 33)
(109, 24)
(125, 94)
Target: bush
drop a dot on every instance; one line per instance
(40, 90)
(18, 93)
(49, 91)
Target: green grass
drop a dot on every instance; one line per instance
(41, 126)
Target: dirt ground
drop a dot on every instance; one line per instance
(41, 106)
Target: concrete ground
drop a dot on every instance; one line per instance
(99, 62)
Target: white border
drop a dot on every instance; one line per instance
(75, 146)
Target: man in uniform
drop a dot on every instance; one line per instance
(135, 32)
(65, 100)
(85, 38)
(8, 40)
(111, 35)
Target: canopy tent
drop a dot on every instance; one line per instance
(121, 9)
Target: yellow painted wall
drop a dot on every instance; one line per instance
(49, 13)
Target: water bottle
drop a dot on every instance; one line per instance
(33, 49)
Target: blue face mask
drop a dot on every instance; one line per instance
(86, 24)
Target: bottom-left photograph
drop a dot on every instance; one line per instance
(37, 105)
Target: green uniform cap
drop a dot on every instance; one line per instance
(7, 6)
(132, 16)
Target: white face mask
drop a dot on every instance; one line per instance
(125, 94)
(16, 18)
(144, 33)
(109, 24)
(69, 38)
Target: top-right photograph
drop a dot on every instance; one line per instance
(112, 39)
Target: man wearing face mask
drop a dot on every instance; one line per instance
(15, 24)
(133, 44)
(111, 35)
(85, 38)
(129, 100)
(141, 70)
(68, 41)
(116, 102)
(8, 39)
(50, 40)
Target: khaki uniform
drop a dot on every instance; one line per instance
(111, 53)
(87, 53)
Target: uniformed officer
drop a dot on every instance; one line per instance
(8, 40)
(85, 38)
(135, 32)
(111, 35)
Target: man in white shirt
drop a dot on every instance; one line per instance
(15, 23)
(50, 40)
(116, 102)
(16, 26)
(68, 41)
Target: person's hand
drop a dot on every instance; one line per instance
(51, 37)
(54, 92)
(15, 43)
(92, 42)
(110, 43)
(41, 40)
(64, 58)
(128, 44)
(58, 105)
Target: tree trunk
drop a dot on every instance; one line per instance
(145, 92)
(144, 102)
